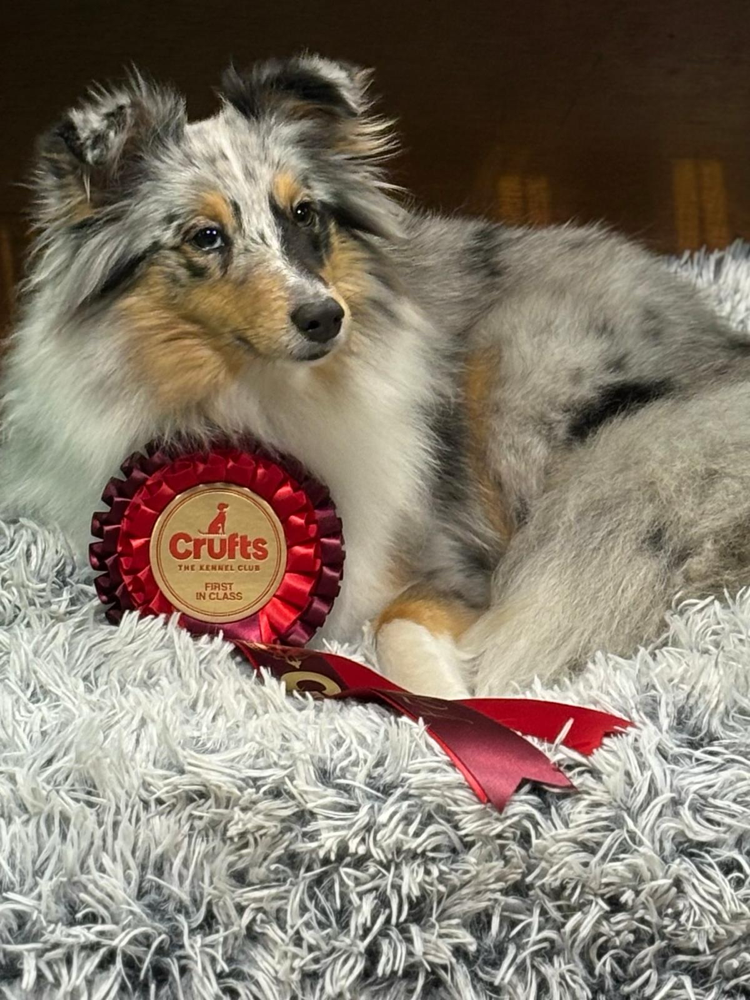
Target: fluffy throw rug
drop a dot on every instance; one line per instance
(173, 827)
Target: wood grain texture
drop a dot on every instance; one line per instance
(535, 111)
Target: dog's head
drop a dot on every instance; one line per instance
(249, 234)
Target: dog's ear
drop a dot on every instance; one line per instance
(95, 155)
(332, 95)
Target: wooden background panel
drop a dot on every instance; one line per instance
(530, 111)
(12, 245)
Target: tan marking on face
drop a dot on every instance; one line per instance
(287, 191)
(214, 207)
(183, 338)
(479, 377)
(345, 270)
(440, 615)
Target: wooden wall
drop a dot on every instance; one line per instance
(530, 111)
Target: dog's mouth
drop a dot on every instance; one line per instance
(305, 352)
(316, 352)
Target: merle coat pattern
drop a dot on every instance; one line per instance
(536, 438)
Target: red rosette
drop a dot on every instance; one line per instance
(312, 537)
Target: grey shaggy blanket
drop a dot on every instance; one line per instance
(173, 827)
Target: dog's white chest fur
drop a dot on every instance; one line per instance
(363, 440)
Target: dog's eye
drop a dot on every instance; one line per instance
(210, 238)
(304, 213)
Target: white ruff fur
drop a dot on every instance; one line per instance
(364, 443)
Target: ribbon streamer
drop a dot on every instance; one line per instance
(480, 735)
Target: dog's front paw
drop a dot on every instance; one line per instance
(420, 661)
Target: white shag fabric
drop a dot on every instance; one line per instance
(171, 827)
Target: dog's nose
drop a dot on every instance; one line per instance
(319, 321)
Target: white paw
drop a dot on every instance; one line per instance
(420, 661)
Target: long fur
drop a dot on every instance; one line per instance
(545, 427)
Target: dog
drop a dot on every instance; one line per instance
(536, 438)
(219, 523)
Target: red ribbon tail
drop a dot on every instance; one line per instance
(492, 758)
(484, 737)
(546, 720)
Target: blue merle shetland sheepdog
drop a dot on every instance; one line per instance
(535, 438)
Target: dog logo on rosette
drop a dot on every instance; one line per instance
(219, 524)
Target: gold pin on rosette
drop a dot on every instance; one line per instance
(234, 539)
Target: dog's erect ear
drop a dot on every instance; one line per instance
(332, 94)
(94, 156)
(308, 83)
